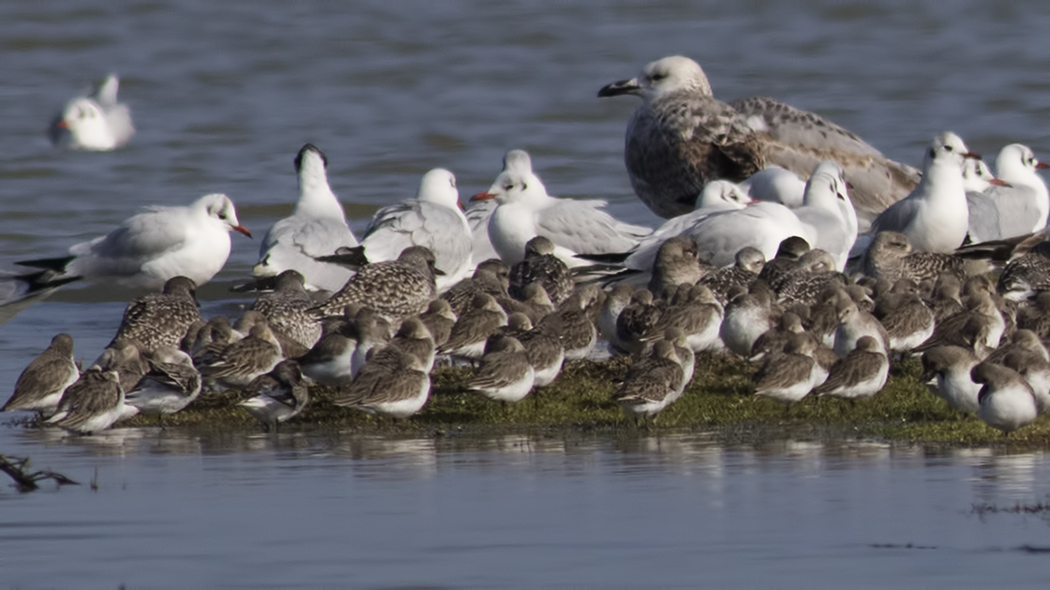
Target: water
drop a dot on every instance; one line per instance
(224, 96)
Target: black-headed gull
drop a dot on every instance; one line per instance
(317, 227)
(935, 216)
(94, 122)
(525, 210)
(1024, 204)
(681, 137)
(827, 212)
(433, 220)
(160, 243)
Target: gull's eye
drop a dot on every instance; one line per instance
(949, 148)
(657, 76)
(222, 216)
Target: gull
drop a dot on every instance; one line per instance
(395, 289)
(1024, 203)
(681, 137)
(1006, 400)
(151, 247)
(161, 319)
(278, 395)
(317, 227)
(525, 210)
(93, 403)
(934, 216)
(505, 373)
(480, 211)
(433, 220)
(39, 388)
(95, 122)
(21, 290)
(776, 185)
(171, 384)
(984, 214)
(827, 213)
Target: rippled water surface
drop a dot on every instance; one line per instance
(224, 95)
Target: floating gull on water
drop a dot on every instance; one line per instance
(317, 227)
(151, 247)
(96, 122)
(681, 137)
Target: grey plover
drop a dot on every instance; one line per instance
(540, 264)
(395, 289)
(160, 319)
(285, 310)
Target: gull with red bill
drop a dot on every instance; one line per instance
(149, 248)
(934, 216)
(524, 210)
(1023, 203)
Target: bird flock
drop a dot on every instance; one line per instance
(788, 241)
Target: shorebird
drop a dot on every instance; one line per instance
(244, 360)
(491, 277)
(286, 313)
(472, 329)
(505, 373)
(681, 137)
(540, 264)
(860, 374)
(789, 376)
(94, 122)
(542, 346)
(749, 263)
(1006, 400)
(747, 317)
(277, 396)
(93, 403)
(393, 384)
(40, 385)
(161, 319)
(934, 216)
(151, 247)
(317, 227)
(949, 368)
(573, 321)
(171, 384)
(394, 289)
(439, 319)
(651, 384)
